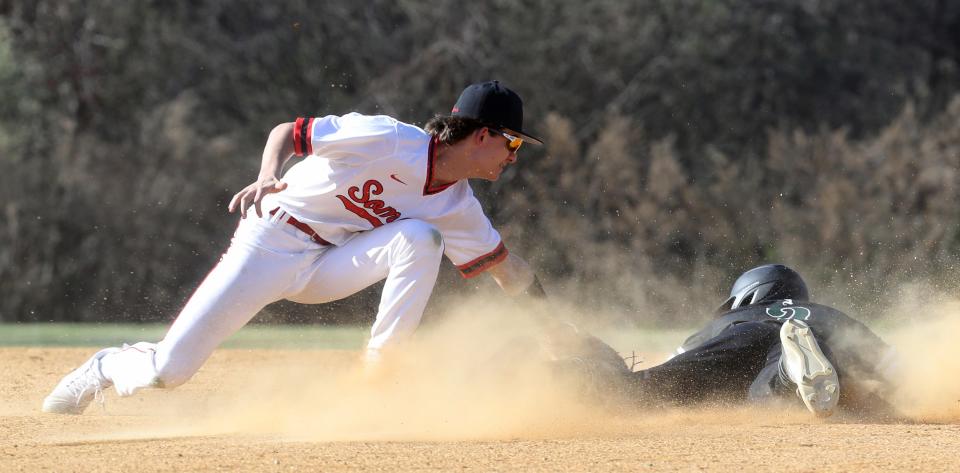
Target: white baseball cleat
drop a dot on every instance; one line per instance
(805, 365)
(76, 390)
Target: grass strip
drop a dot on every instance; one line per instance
(251, 336)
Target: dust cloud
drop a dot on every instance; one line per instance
(482, 374)
(478, 374)
(926, 375)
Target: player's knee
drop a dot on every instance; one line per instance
(421, 237)
(168, 378)
(171, 375)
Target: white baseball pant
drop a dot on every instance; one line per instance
(269, 260)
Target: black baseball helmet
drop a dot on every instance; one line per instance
(770, 282)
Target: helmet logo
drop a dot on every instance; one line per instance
(785, 310)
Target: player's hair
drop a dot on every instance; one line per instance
(449, 129)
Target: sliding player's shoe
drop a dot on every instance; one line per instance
(804, 364)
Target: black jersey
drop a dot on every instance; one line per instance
(723, 361)
(849, 343)
(824, 320)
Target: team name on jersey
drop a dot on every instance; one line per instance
(361, 203)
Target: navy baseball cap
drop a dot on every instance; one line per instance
(495, 106)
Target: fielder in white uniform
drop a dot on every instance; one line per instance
(372, 199)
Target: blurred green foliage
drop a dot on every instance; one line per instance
(687, 140)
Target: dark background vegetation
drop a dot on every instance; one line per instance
(686, 141)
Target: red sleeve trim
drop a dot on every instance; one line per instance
(297, 150)
(309, 140)
(481, 264)
(303, 136)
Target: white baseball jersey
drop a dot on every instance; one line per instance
(361, 172)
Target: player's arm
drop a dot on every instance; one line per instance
(516, 278)
(277, 151)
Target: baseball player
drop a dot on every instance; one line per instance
(767, 343)
(373, 198)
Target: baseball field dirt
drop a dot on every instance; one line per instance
(295, 410)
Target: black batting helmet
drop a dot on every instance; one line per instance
(770, 282)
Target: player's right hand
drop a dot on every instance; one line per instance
(254, 193)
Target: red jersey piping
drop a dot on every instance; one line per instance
(431, 155)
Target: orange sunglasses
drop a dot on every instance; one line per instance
(513, 142)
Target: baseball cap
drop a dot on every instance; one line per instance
(494, 105)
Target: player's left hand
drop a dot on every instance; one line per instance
(254, 194)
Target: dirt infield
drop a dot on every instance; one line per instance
(304, 411)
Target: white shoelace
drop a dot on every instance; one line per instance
(84, 382)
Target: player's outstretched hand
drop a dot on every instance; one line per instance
(254, 193)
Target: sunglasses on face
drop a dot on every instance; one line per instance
(513, 142)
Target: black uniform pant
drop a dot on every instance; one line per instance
(743, 363)
(723, 369)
